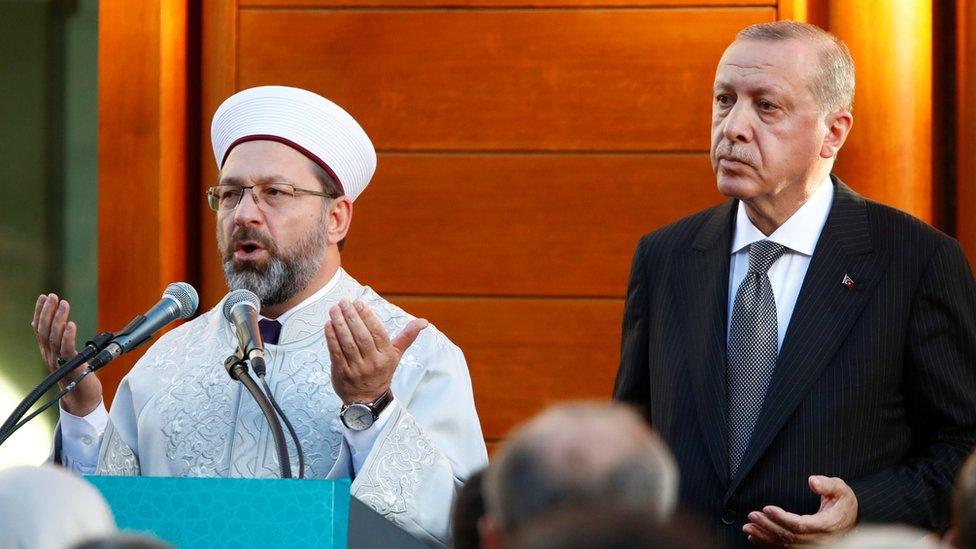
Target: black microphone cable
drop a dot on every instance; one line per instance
(291, 430)
(240, 309)
(67, 389)
(237, 369)
(92, 348)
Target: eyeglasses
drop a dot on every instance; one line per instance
(276, 196)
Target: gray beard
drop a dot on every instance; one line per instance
(285, 276)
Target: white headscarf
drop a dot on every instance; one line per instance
(49, 507)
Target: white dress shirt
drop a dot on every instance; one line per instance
(80, 435)
(799, 234)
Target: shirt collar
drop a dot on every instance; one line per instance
(329, 286)
(799, 233)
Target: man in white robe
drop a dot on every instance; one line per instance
(291, 163)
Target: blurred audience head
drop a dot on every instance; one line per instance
(605, 528)
(888, 536)
(963, 532)
(578, 455)
(48, 506)
(469, 507)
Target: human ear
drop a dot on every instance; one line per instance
(838, 125)
(340, 218)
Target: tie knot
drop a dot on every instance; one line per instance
(762, 254)
(270, 330)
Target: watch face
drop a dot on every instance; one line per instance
(358, 417)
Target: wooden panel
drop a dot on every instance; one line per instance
(142, 241)
(219, 39)
(888, 156)
(635, 80)
(966, 128)
(517, 224)
(525, 354)
(359, 4)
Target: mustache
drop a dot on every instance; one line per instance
(728, 150)
(249, 234)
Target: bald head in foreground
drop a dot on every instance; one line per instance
(577, 455)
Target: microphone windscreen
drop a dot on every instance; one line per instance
(186, 296)
(238, 297)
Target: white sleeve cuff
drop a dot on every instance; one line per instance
(81, 438)
(361, 442)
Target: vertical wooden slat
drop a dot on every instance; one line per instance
(888, 156)
(141, 159)
(792, 9)
(814, 12)
(219, 67)
(172, 146)
(966, 127)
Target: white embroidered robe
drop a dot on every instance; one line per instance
(178, 413)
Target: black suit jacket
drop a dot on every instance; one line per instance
(874, 384)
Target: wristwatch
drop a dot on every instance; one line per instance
(360, 416)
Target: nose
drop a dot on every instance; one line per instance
(247, 211)
(737, 126)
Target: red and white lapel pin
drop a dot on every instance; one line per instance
(848, 282)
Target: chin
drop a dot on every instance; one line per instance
(735, 186)
(249, 266)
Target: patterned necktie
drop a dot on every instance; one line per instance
(752, 348)
(270, 330)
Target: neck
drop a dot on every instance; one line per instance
(325, 273)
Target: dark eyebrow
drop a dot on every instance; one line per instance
(241, 182)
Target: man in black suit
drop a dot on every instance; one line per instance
(809, 355)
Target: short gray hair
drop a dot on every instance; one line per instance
(833, 84)
(581, 454)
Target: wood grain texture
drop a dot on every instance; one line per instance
(140, 224)
(524, 354)
(360, 4)
(592, 80)
(219, 46)
(966, 128)
(530, 225)
(888, 156)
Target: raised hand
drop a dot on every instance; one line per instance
(775, 527)
(363, 356)
(55, 336)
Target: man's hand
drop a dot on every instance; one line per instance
(775, 527)
(363, 357)
(56, 339)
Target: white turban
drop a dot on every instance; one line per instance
(306, 122)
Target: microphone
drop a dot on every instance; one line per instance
(241, 309)
(180, 300)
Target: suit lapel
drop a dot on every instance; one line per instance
(824, 313)
(702, 275)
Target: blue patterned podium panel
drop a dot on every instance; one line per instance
(220, 512)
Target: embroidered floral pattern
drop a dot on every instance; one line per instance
(392, 479)
(117, 458)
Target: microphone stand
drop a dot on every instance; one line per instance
(237, 368)
(92, 348)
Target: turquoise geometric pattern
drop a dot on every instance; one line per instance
(219, 512)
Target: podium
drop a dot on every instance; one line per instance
(217, 512)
